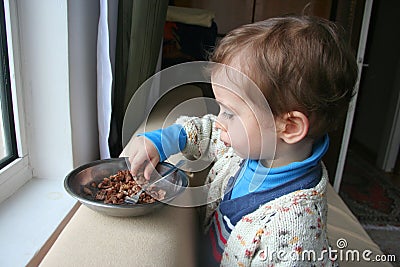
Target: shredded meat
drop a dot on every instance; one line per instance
(114, 189)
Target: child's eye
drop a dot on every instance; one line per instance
(227, 115)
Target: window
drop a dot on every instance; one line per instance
(15, 169)
(8, 145)
(47, 75)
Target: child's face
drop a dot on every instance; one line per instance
(241, 128)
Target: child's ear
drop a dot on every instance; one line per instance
(292, 127)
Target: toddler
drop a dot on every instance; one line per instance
(282, 84)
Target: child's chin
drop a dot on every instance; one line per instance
(240, 154)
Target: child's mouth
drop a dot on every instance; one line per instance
(227, 144)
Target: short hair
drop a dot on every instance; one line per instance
(300, 63)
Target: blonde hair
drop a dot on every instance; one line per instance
(299, 63)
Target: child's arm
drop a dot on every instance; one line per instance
(167, 141)
(203, 138)
(195, 137)
(146, 150)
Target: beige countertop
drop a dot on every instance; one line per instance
(163, 238)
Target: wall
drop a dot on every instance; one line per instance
(230, 14)
(83, 17)
(59, 83)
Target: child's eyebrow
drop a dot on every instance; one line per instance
(223, 105)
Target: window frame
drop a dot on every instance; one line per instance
(6, 104)
(18, 171)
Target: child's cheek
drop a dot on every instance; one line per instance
(240, 140)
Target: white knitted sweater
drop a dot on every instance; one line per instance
(287, 231)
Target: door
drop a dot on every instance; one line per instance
(377, 121)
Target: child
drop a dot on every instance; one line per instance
(267, 196)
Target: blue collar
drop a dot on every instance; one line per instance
(254, 177)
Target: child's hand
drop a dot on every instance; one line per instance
(142, 155)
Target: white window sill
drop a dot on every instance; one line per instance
(29, 217)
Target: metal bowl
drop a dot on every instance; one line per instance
(95, 171)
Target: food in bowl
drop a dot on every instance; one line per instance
(114, 189)
(96, 171)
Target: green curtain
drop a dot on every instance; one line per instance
(139, 37)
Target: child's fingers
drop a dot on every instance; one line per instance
(141, 155)
(150, 167)
(129, 159)
(137, 163)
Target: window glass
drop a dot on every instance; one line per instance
(8, 146)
